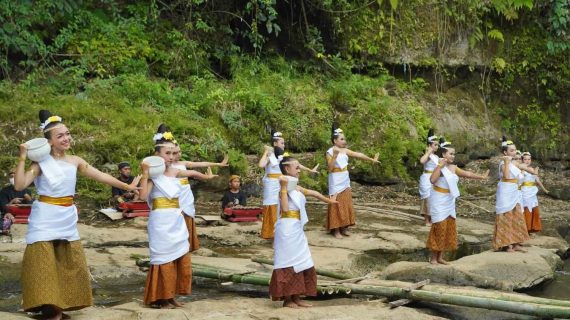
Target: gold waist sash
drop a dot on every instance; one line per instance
(274, 175)
(442, 190)
(184, 181)
(165, 203)
(339, 169)
(510, 180)
(57, 201)
(528, 184)
(293, 214)
(428, 171)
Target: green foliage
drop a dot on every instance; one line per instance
(534, 116)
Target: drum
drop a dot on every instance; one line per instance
(133, 209)
(243, 214)
(21, 212)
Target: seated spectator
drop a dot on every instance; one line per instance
(119, 195)
(9, 196)
(234, 196)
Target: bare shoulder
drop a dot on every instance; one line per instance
(76, 160)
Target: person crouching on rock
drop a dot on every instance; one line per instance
(510, 227)
(294, 272)
(445, 177)
(171, 269)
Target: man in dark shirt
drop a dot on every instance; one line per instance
(119, 195)
(234, 196)
(9, 196)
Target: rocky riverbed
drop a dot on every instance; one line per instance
(387, 243)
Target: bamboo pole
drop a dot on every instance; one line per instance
(505, 296)
(539, 310)
(321, 272)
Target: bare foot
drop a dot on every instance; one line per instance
(302, 303)
(519, 248)
(337, 234)
(50, 312)
(162, 304)
(433, 261)
(509, 249)
(57, 316)
(345, 232)
(175, 303)
(441, 261)
(290, 304)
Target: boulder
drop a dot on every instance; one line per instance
(560, 193)
(554, 243)
(497, 270)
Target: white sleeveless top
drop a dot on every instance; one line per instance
(425, 186)
(51, 222)
(167, 232)
(290, 243)
(271, 185)
(338, 181)
(530, 200)
(508, 194)
(442, 205)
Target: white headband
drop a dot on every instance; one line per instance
(277, 135)
(337, 131)
(430, 139)
(445, 144)
(159, 136)
(506, 143)
(50, 120)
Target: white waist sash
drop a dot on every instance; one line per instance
(49, 222)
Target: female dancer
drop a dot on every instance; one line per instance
(510, 227)
(171, 269)
(429, 160)
(186, 195)
(55, 277)
(293, 272)
(270, 161)
(443, 232)
(530, 200)
(340, 216)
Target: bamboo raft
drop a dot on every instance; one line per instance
(475, 298)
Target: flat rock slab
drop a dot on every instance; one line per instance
(383, 241)
(497, 270)
(237, 308)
